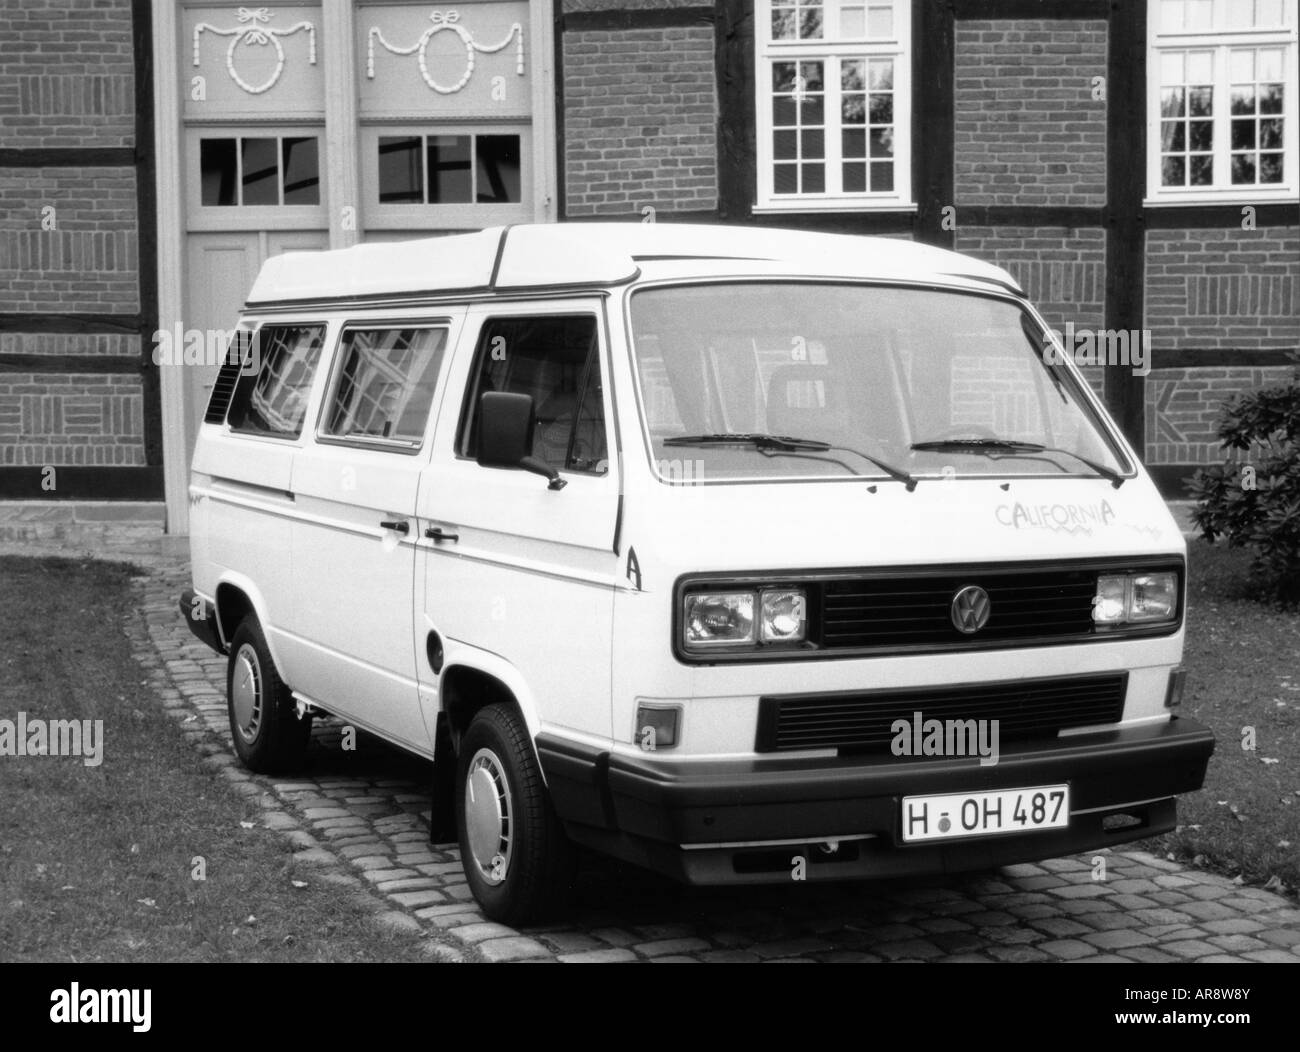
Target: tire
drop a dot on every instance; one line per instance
(269, 738)
(517, 859)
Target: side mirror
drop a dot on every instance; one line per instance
(506, 422)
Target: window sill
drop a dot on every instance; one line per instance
(1285, 196)
(796, 207)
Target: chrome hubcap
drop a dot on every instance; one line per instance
(488, 816)
(246, 693)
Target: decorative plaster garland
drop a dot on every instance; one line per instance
(446, 21)
(252, 34)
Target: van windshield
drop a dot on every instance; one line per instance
(787, 380)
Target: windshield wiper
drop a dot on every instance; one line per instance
(996, 447)
(786, 444)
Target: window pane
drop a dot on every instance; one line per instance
(301, 171)
(1243, 135)
(814, 178)
(1270, 134)
(386, 384)
(549, 359)
(217, 171)
(813, 145)
(1200, 14)
(853, 22)
(1242, 66)
(783, 74)
(1240, 13)
(498, 178)
(1202, 171)
(1173, 171)
(1201, 135)
(784, 24)
(853, 143)
(1172, 64)
(1268, 14)
(785, 146)
(855, 178)
(1243, 168)
(1200, 67)
(1270, 168)
(880, 22)
(587, 450)
(1270, 64)
(810, 20)
(881, 74)
(261, 162)
(1243, 100)
(401, 170)
(785, 179)
(882, 142)
(1201, 102)
(1172, 102)
(882, 108)
(853, 75)
(275, 400)
(449, 171)
(1171, 16)
(882, 176)
(1270, 98)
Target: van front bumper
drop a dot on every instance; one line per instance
(745, 821)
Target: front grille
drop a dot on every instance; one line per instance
(863, 722)
(915, 611)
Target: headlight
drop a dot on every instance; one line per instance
(785, 616)
(1154, 597)
(1111, 601)
(1135, 598)
(719, 618)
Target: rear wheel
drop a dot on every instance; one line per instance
(268, 735)
(519, 864)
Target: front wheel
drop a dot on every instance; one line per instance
(519, 863)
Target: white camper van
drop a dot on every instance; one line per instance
(742, 554)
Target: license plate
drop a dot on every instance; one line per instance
(983, 814)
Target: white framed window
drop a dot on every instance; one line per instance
(833, 107)
(1222, 85)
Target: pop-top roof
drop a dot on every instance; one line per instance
(583, 255)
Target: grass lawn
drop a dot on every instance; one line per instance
(96, 862)
(1243, 662)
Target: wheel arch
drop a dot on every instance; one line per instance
(235, 598)
(468, 683)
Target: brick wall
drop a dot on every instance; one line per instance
(88, 261)
(66, 74)
(1028, 131)
(1183, 407)
(1231, 289)
(640, 120)
(70, 418)
(68, 234)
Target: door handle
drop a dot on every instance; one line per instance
(437, 533)
(399, 525)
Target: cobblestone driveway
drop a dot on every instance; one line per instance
(360, 817)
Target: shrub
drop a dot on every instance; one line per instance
(1253, 500)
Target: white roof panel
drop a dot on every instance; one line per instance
(592, 255)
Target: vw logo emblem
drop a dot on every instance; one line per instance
(970, 609)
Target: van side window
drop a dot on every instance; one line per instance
(272, 399)
(385, 384)
(555, 360)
